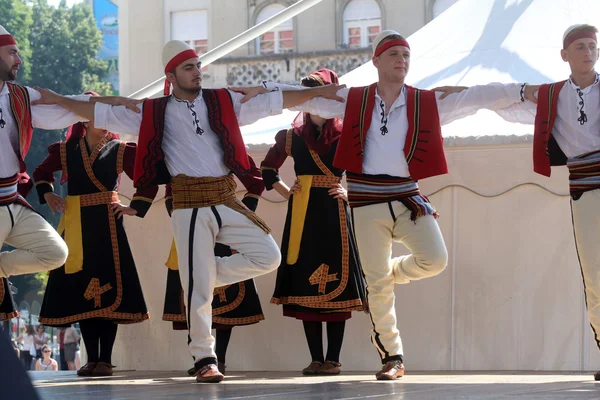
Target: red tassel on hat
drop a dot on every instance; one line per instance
(167, 89)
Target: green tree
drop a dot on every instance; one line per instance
(65, 42)
(16, 17)
(59, 52)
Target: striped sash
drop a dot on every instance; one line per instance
(8, 190)
(584, 173)
(193, 192)
(364, 190)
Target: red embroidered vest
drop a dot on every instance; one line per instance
(546, 152)
(20, 105)
(424, 148)
(150, 166)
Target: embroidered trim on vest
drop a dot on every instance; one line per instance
(20, 105)
(215, 119)
(550, 101)
(153, 151)
(363, 108)
(416, 129)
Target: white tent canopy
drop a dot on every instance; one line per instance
(477, 42)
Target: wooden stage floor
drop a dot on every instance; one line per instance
(129, 385)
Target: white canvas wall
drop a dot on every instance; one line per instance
(510, 299)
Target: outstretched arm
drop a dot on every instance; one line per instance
(53, 116)
(510, 101)
(325, 101)
(115, 114)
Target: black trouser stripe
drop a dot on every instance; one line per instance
(583, 276)
(392, 211)
(191, 271)
(217, 216)
(12, 219)
(376, 341)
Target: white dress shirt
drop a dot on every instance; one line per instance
(573, 137)
(384, 154)
(186, 150)
(42, 116)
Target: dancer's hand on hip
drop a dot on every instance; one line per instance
(121, 209)
(295, 188)
(338, 192)
(55, 202)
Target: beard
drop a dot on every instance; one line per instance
(6, 72)
(191, 88)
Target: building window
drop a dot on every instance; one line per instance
(278, 40)
(362, 23)
(441, 5)
(201, 46)
(191, 27)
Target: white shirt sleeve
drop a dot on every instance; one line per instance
(117, 119)
(493, 96)
(257, 107)
(523, 113)
(320, 106)
(53, 116)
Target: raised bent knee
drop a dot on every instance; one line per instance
(54, 255)
(269, 258)
(273, 256)
(434, 261)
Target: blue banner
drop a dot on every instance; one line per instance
(106, 14)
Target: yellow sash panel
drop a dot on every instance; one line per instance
(70, 224)
(299, 207)
(173, 260)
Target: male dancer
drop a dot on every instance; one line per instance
(192, 140)
(38, 247)
(567, 123)
(391, 138)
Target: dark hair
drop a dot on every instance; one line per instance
(310, 81)
(30, 330)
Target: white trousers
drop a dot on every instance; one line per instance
(375, 230)
(38, 246)
(586, 225)
(196, 231)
